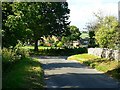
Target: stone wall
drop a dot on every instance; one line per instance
(105, 53)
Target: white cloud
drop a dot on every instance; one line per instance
(82, 10)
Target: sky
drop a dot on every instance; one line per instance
(81, 11)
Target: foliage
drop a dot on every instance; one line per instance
(60, 51)
(60, 44)
(27, 73)
(8, 55)
(75, 33)
(106, 33)
(50, 41)
(92, 28)
(34, 19)
(12, 25)
(92, 42)
(11, 56)
(67, 41)
(6, 10)
(84, 35)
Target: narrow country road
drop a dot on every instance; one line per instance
(62, 73)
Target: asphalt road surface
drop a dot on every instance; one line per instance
(62, 73)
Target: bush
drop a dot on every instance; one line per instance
(11, 56)
(8, 55)
(60, 44)
(22, 52)
(8, 58)
(59, 51)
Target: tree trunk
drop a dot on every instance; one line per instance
(36, 45)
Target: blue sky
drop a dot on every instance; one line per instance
(82, 10)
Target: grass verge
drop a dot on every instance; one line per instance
(109, 67)
(26, 73)
(39, 47)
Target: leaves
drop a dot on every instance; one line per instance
(106, 33)
(40, 18)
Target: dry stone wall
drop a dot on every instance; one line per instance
(105, 53)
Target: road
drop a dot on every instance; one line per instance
(62, 73)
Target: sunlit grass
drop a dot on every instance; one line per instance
(82, 57)
(110, 67)
(27, 73)
(32, 47)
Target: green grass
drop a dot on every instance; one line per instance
(109, 67)
(82, 57)
(27, 73)
(32, 47)
(51, 51)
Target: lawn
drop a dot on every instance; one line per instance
(55, 51)
(26, 73)
(109, 67)
(32, 47)
(82, 57)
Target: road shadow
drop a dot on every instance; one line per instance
(75, 80)
(51, 57)
(53, 66)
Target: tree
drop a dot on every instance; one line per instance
(6, 33)
(40, 19)
(107, 32)
(75, 33)
(13, 27)
(117, 37)
(44, 18)
(92, 27)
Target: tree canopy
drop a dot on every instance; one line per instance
(105, 32)
(33, 20)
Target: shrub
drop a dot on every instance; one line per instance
(11, 56)
(59, 51)
(60, 44)
(22, 52)
(8, 58)
(8, 55)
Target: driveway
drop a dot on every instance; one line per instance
(62, 73)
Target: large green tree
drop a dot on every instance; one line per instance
(13, 27)
(40, 19)
(7, 37)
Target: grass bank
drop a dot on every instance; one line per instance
(26, 73)
(109, 67)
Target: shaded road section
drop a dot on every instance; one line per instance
(62, 73)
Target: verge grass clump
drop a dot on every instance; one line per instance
(27, 73)
(19, 70)
(109, 67)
